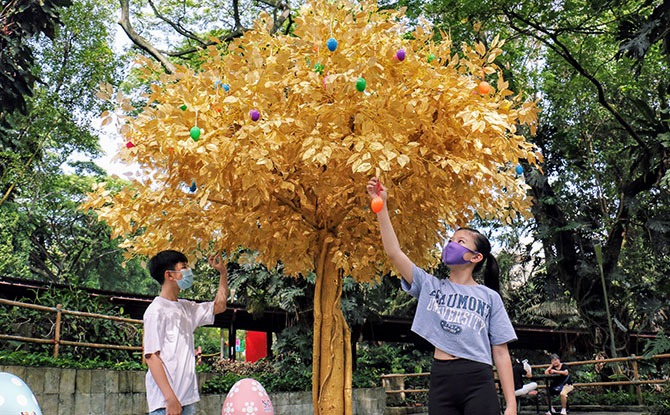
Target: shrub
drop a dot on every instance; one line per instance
(23, 358)
(286, 375)
(659, 401)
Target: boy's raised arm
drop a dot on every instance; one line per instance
(221, 298)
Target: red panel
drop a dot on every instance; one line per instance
(257, 345)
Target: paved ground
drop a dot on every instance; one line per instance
(607, 413)
(591, 413)
(528, 408)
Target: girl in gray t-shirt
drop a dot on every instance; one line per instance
(466, 322)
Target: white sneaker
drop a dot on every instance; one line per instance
(564, 412)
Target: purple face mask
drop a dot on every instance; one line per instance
(453, 253)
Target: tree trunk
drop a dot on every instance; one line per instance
(331, 377)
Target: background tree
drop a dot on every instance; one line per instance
(269, 146)
(43, 234)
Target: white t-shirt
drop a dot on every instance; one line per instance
(462, 320)
(168, 329)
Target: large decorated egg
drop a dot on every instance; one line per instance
(16, 398)
(247, 396)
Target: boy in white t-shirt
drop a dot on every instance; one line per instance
(169, 322)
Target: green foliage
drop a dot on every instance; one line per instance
(56, 242)
(294, 343)
(44, 235)
(259, 288)
(287, 377)
(14, 248)
(659, 402)
(20, 21)
(374, 361)
(22, 358)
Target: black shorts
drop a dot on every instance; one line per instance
(462, 387)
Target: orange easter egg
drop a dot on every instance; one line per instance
(377, 204)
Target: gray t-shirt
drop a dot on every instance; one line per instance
(462, 320)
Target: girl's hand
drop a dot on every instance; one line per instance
(375, 188)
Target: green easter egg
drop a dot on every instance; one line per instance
(195, 133)
(360, 85)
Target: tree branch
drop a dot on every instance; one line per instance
(558, 47)
(281, 13)
(230, 36)
(177, 27)
(236, 15)
(141, 42)
(279, 21)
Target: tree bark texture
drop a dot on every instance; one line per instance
(331, 377)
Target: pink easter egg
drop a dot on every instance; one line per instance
(247, 396)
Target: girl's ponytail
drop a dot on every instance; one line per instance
(492, 271)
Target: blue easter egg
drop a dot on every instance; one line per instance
(16, 397)
(331, 44)
(226, 87)
(193, 187)
(519, 169)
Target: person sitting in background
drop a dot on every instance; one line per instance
(522, 370)
(561, 385)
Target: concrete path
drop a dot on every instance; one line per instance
(607, 413)
(524, 412)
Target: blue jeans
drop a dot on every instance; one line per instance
(185, 410)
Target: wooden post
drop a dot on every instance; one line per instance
(57, 330)
(636, 377)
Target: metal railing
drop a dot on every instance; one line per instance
(633, 360)
(57, 341)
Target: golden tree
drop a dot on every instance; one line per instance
(270, 143)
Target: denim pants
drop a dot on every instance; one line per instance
(185, 410)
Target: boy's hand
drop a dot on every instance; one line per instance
(173, 406)
(216, 262)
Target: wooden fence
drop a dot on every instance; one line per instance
(633, 360)
(56, 340)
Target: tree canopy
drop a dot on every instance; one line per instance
(299, 169)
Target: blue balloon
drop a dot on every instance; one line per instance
(16, 397)
(519, 169)
(331, 44)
